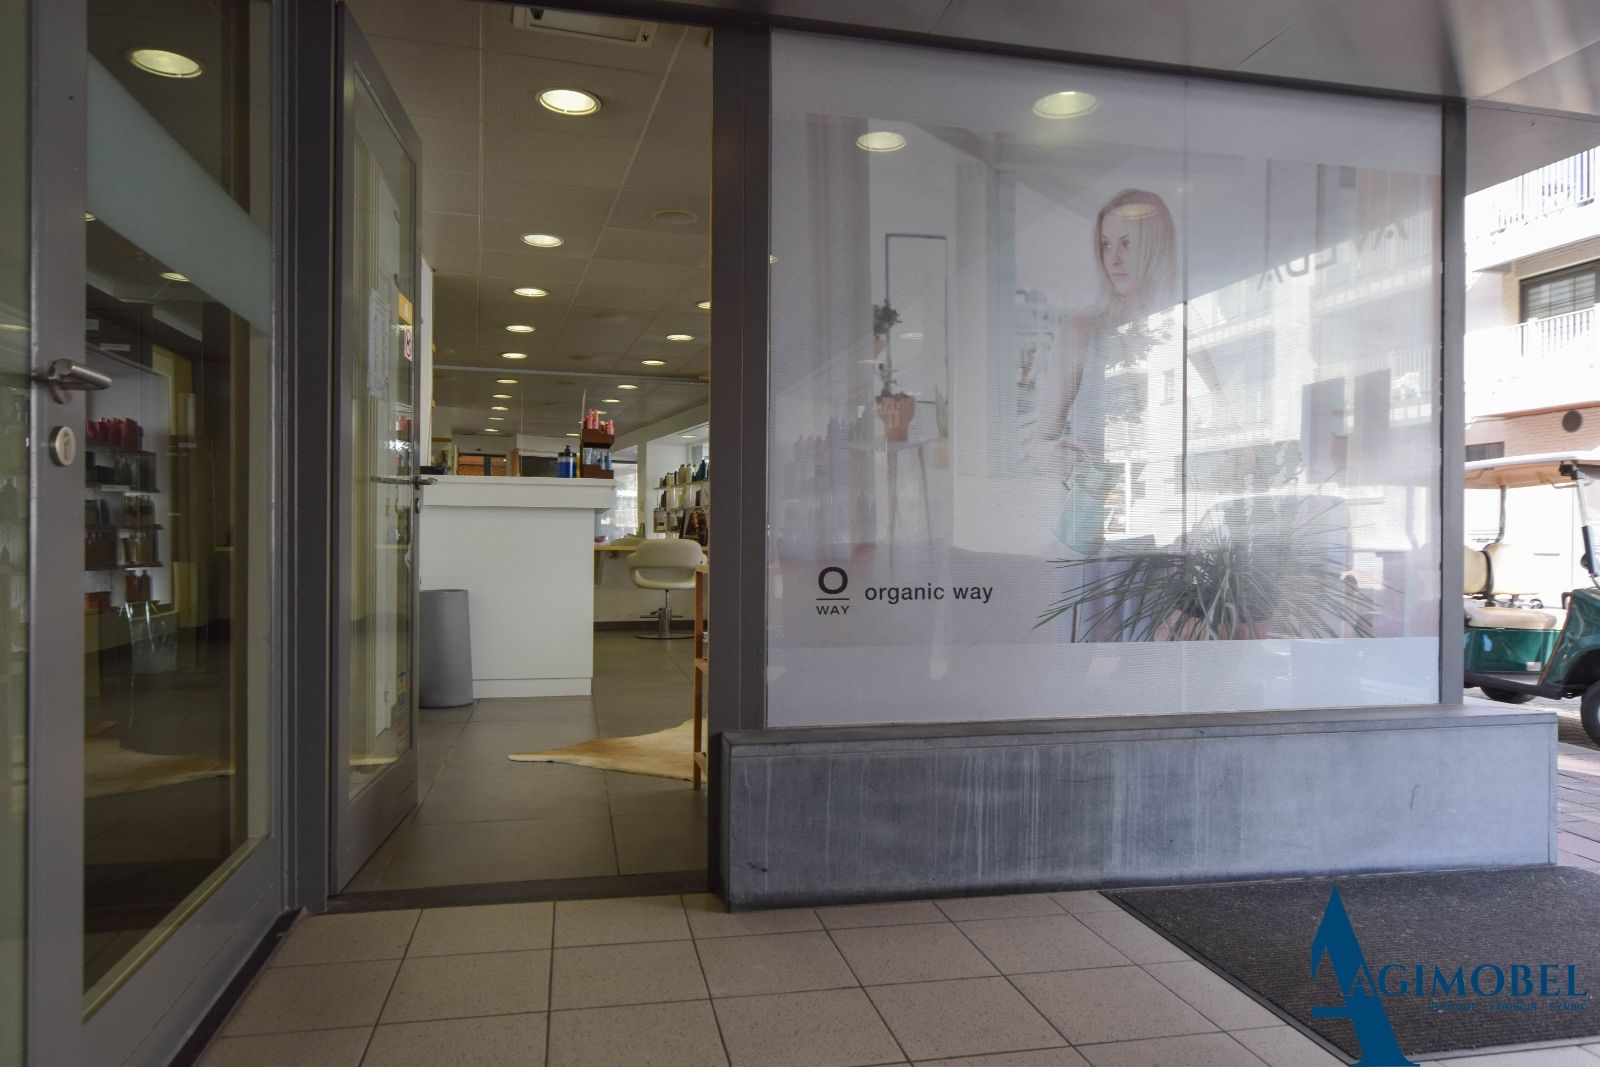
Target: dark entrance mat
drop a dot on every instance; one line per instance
(1260, 934)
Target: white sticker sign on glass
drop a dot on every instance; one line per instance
(1096, 392)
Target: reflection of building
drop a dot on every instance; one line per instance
(1532, 350)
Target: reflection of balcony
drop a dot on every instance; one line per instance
(1543, 363)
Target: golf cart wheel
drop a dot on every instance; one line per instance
(1590, 709)
(1506, 696)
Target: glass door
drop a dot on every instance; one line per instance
(375, 773)
(137, 437)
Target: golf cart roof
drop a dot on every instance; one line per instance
(1514, 472)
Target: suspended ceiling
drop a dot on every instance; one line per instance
(627, 189)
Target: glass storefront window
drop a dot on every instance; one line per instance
(1096, 392)
(177, 461)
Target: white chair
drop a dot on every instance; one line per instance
(665, 565)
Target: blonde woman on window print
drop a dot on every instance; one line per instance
(1135, 320)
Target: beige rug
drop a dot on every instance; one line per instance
(109, 770)
(663, 754)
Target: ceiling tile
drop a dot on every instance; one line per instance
(533, 265)
(419, 20)
(444, 228)
(452, 260)
(671, 167)
(431, 79)
(685, 249)
(449, 190)
(556, 158)
(447, 144)
(584, 207)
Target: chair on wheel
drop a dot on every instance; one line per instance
(665, 565)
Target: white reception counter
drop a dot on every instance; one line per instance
(523, 549)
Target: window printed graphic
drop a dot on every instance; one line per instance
(1109, 392)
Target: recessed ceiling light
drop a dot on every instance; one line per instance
(513, 355)
(627, 387)
(502, 396)
(13, 327)
(569, 101)
(173, 276)
(687, 436)
(88, 216)
(490, 429)
(1067, 105)
(162, 63)
(611, 400)
(675, 216)
(529, 290)
(497, 418)
(680, 337)
(704, 305)
(542, 240)
(517, 327)
(912, 335)
(654, 362)
(572, 435)
(771, 259)
(498, 407)
(881, 141)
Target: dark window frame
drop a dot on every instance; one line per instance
(1591, 268)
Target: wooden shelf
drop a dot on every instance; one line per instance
(702, 664)
(596, 438)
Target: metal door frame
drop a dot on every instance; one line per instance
(57, 180)
(157, 1005)
(359, 826)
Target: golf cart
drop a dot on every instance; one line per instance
(1515, 647)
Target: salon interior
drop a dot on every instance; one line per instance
(562, 208)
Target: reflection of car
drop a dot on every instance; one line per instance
(1516, 648)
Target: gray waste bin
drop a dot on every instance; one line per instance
(445, 674)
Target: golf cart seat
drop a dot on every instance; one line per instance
(1501, 570)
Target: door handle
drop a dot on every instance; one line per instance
(420, 482)
(65, 376)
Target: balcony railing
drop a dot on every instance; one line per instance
(1536, 364)
(1564, 184)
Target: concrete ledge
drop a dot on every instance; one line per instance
(884, 812)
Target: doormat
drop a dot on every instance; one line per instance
(1457, 960)
(664, 754)
(109, 770)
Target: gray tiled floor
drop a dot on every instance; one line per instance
(670, 980)
(483, 818)
(678, 981)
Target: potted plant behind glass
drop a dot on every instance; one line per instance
(895, 408)
(1253, 567)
